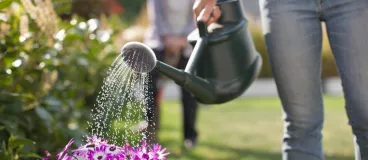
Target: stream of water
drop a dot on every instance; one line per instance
(121, 104)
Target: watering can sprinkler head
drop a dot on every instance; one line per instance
(139, 57)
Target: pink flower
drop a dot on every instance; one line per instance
(143, 152)
(99, 153)
(61, 154)
(128, 151)
(115, 152)
(98, 149)
(80, 155)
(159, 153)
(96, 139)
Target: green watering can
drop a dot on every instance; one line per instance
(222, 66)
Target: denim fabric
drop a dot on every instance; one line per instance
(293, 35)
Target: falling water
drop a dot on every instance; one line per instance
(122, 102)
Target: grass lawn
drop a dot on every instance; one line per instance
(249, 129)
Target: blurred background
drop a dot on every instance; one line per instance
(54, 55)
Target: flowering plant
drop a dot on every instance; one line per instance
(99, 149)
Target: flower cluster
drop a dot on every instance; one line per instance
(100, 149)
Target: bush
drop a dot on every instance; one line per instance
(328, 62)
(259, 42)
(131, 9)
(48, 81)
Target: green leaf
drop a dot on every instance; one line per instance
(44, 115)
(3, 145)
(15, 142)
(29, 155)
(9, 97)
(62, 6)
(4, 156)
(5, 4)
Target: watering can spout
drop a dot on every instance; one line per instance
(201, 89)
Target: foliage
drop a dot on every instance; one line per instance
(16, 149)
(132, 9)
(258, 39)
(94, 8)
(329, 68)
(48, 80)
(89, 8)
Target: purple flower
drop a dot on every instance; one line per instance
(143, 152)
(115, 152)
(99, 149)
(99, 153)
(66, 157)
(142, 156)
(93, 142)
(129, 152)
(61, 154)
(88, 146)
(159, 153)
(48, 154)
(95, 139)
(80, 154)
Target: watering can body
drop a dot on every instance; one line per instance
(224, 61)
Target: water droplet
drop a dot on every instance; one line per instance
(17, 63)
(73, 22)
(82, 25)
(8, 71)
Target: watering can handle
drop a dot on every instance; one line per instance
(198, 48)
(202, 29)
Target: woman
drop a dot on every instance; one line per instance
(293, 34)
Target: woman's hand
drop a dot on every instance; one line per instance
(202, 11)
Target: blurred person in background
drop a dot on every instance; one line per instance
(293, 34)
(171, 21)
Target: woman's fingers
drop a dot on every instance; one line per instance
(197, 7)
(205, 14)
(215, 15)
(203, 8)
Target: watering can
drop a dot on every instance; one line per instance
(223, 63)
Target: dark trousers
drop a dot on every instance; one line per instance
(189, 104)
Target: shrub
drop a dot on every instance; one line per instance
(259, 42)
(132, 9)
(328, 62)
(50, 73)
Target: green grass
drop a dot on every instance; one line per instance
(249, 129)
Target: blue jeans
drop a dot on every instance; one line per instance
(293, 35)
